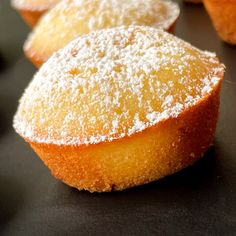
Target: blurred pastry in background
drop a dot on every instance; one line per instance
(71, 18)
(223, 16)
(121, 107)
(32, 10)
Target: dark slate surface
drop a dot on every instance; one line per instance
(200, 200)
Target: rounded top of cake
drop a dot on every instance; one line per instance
(114, 83)
(39, 5)
(71, 18)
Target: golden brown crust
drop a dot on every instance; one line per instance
(31, 17)
(34, 57)
(130, 161)
(172, 28)
(223, 16)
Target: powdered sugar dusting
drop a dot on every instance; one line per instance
(114, 83)
(97, 14)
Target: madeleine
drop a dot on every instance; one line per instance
(32, 10)
(121, 107)
(223, 16)
(72, 18)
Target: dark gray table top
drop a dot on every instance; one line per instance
(200, 200)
